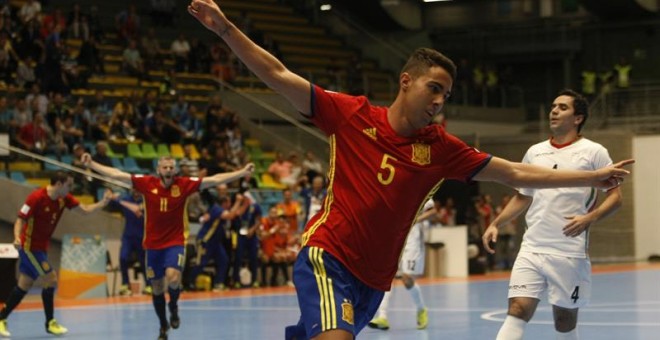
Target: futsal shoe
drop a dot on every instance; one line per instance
(379, 323)
(175, 322)
(163, 333)
(4, 331)
(55, 328)
(422, 318)
(147, 290)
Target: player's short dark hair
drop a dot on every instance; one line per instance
(59, 177)
(424, 58)
(580, 105)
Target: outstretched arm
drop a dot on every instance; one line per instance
(521, 175)
(85, 209)
(225, 177)
(106, 170)
(270, 70)
(515, 207)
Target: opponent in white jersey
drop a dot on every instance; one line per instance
(411, 265)
(553, 256)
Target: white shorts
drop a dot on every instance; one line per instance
(412, 257)
(566, 279)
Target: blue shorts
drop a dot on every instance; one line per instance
(329, 296)
(34, 263)
(160, 259)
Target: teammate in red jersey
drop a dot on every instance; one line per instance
(166, 225)
(34, 226)
(384, 163)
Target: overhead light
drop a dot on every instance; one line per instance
(326, 7)
(436, 0)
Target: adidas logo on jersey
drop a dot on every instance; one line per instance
(371, 132)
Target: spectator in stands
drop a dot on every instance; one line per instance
(7, 122)
(312, 167)
(292, 209)
(36, 100)
(101, 155)
(123, 122)
(52, 22)
(25, 73)
(193, 126)
(33, 136)
(90, 57)
(313, 196)
(8, 59)
(588, 79)
(31, 10)
(221, 63)
(21, 115)
(71, 135)
(127, 23)
(77, 23)
(280, 168)
(235, 140)
(57, 109)
(132, 62)
(180, 49)
(188, 161)
(151, 51)
(179, 108)
(296, 171)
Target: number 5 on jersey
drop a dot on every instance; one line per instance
(386, 176)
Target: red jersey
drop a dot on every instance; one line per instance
(378, 183)
(165, 218)
(41, 214)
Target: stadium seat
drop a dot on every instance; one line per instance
(162, 150)
(112, 154)
(17, 176)
(49, 166)
(133, 150)
(149, 151)
(130, 165)
(176, 150)
(116, 163)
(194, 154)
(66, 159)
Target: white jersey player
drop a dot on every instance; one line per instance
(553, 257)
(411, 265)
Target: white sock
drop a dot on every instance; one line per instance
(572, 335)
(512, 329)
(382, 310)
(416, 294)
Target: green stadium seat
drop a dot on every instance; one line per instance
(162, 150)
(149, 151)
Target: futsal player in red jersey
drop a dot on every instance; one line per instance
(166, 225)
(384, 163)
(33, 229)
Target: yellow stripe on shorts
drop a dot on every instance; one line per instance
(326, 291)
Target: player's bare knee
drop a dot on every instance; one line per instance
(522, 308)
(25, 282)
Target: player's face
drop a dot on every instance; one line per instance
(425, 95)
(65, 187)
(562, 115)
(166, 170)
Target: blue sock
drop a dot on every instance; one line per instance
(47, 296)
(159, 306)
(174, 299)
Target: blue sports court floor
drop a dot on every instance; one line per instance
(625, 304)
